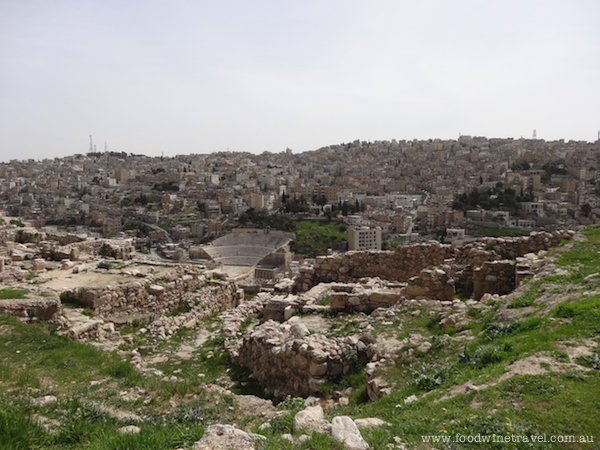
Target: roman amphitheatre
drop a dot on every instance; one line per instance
(240, 252)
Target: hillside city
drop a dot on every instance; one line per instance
(414, 189)
(370, 295)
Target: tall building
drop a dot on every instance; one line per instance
(364, 238)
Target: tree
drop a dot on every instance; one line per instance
(345, 209)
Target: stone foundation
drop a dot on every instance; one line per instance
(286, 361)
(459, 261)
(34, 309)
(146, 297)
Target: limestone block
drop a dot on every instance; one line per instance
(338, 300)
(227, 436)
(314, 384)
(311, 419)
(299, 330)
(155, 289)
(448, 322)
(386, 297)
(354, 300)
(38, 264)
(344, 430)
(377, 387)
(370, 422)
(317, 369)
(424, 347)
(414, 291)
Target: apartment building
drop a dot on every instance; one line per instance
(364, 238)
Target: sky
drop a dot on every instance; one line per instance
(198, 76)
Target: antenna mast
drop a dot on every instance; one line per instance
(91, 144)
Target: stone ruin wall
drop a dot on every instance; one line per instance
(287, 361)
(34, 309)
(459, 261)
(146, 297)
(29, 243)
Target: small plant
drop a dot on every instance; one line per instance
(104, 265)
(490, 246)
(181, 309)
(592, 361)
(560, 356)
(325, 301)
(484, 355)
(292, 404)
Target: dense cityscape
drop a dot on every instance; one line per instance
(417, 189)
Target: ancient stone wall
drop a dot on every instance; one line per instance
(407, 262)
(287, 361)
(434, 284)
(494, 277)
(34, 309)
(157, 297)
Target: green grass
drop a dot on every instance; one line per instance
(10, 294)
(314, 237)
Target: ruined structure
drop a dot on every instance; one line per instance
(288, 362)
(459, 262)
(249, 247)
(148, 298)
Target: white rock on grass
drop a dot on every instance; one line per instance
(227, 437)
(344, 430)
(129, 429)
(411, 399)
(370, 422)
(312, 419)
(45, 400)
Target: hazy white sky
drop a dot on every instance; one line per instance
(201, 76)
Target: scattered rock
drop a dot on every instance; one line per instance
(411, 399)
(370, 422)
(311, 419)
(227, 437)
(344, 430)
(45, 400)
(129, 429)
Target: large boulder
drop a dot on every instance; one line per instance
(344, 430)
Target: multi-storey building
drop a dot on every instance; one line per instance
(364, 238)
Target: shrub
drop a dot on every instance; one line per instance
(484, 355)
(104, 265)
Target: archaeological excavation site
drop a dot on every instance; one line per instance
(105, 347)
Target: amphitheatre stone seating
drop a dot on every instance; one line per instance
(245, 249)
(272, 240)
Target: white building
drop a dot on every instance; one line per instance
(364, 238)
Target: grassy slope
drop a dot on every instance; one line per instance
(314, 237)
(35, 361)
